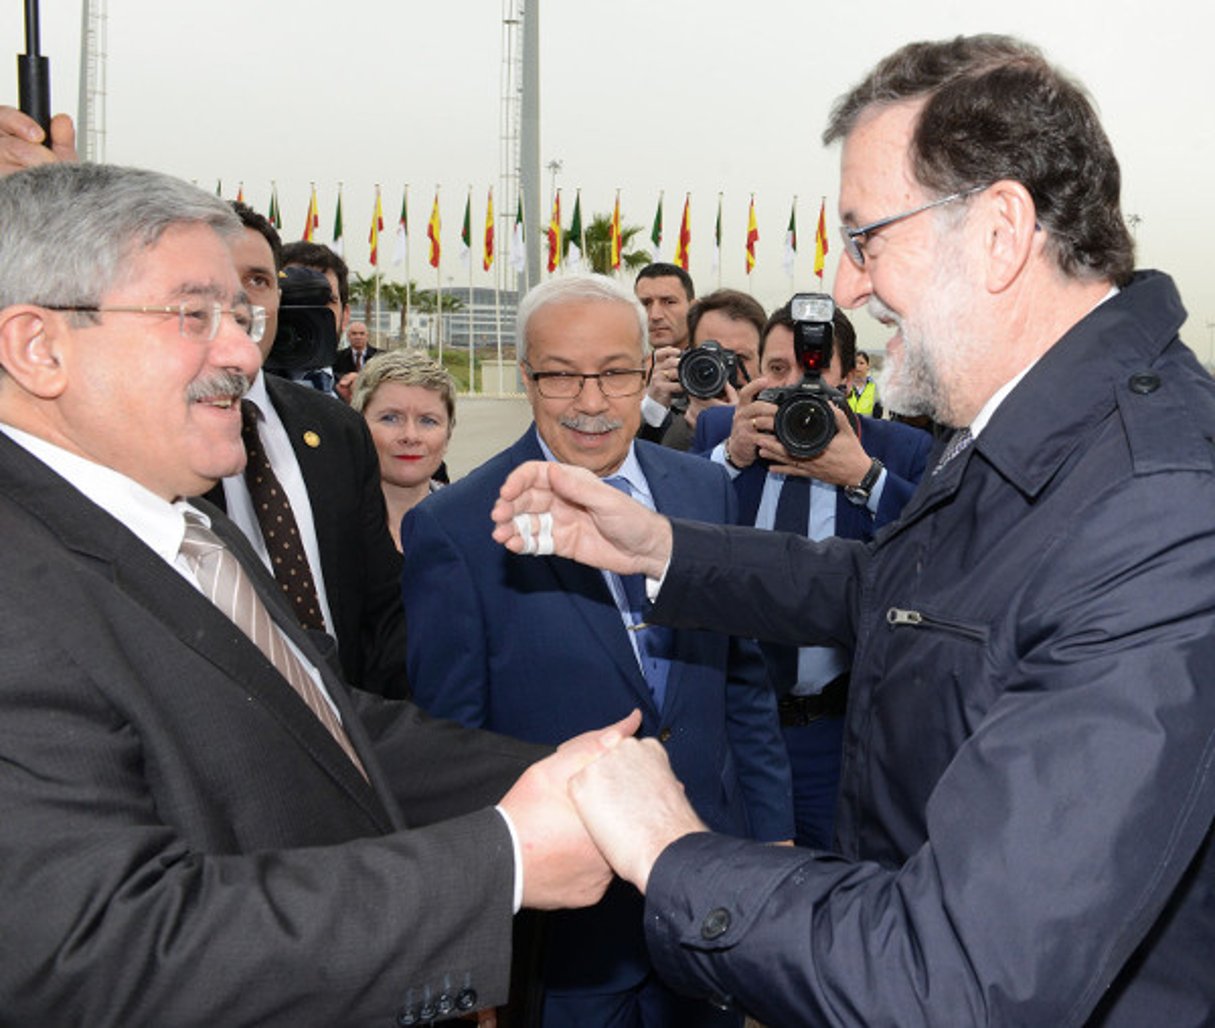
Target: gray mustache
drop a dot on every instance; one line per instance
(221, 384)
(591, 423)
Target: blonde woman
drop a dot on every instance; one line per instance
(409, 403)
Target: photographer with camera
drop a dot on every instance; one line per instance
(833, 475)
(725, 327)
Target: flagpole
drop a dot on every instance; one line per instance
(499, 271)
(408, 280)
(793, 261)
(439, 294)
(376, 270)
(472, 379)
(718, 241)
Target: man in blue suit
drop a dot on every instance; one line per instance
(855, 486)
(535, 648)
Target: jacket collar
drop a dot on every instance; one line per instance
(1075, 383)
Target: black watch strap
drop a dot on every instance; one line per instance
(859, 493)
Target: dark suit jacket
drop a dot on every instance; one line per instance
(904, 451)
(181, 840)
(344, 361)
(359, 562)
(535, 647)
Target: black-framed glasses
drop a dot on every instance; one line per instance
(196, 319)
(565, 385)
(855, 238)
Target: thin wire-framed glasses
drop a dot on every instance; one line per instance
(565, 385)
(855, 238)
(196, 319)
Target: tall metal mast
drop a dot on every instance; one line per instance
(90, 113)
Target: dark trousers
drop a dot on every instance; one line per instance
(814, 757)
(649, 1005)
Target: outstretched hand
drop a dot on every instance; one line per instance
(550, 508)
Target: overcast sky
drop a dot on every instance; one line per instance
(639, 95)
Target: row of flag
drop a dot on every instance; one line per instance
(570, 256)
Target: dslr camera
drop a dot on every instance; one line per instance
(805, 420)
(307, 335)
(705, 370)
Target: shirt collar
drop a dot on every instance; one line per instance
(992, 405)
(157, 522)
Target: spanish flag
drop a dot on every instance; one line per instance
(487, 259)
(554, 234)
(752, 236)
(313, 224)
(615, 234)
(685, 234)
(432, 233)
(377, 226)
(820, 240)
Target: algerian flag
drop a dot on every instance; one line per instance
(401, 248)
(573, 256)
(466, 232)
(791, 240)
(337, 246)
(518, 248)
(656, 231)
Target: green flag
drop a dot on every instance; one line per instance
(656, 231)
(337, 245)
(573, 253)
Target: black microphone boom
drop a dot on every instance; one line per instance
(34, 74)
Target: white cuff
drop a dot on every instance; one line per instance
(517, 897)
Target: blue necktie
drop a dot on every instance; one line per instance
(655, 644)
(792, 515)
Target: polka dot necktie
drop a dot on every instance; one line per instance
(288, 560)
(225, 583)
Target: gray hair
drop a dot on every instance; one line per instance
(577, 289)
(995, 108)
(69, 231)
(408, 368)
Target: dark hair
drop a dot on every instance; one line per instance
(994, 109)
(251, 219)
(661, 269)
(736, 305)
(320, 258)
(845, 334)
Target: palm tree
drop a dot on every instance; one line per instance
(363, 288)
(401, 296)
(599, 245)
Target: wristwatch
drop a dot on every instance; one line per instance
(859, 493)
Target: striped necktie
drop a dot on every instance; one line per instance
(225, 583)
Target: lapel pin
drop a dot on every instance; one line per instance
(312, 439)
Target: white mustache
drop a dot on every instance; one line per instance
(881, 312)
(591, 424)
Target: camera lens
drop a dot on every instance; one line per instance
(805, 425)
(702, 373)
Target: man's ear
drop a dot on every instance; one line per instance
(31, 342)
(1009, 232)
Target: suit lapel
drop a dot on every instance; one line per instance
(146, 580)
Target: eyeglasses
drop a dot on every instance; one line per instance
(196, 319)
(855, 249)
(565, 385)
